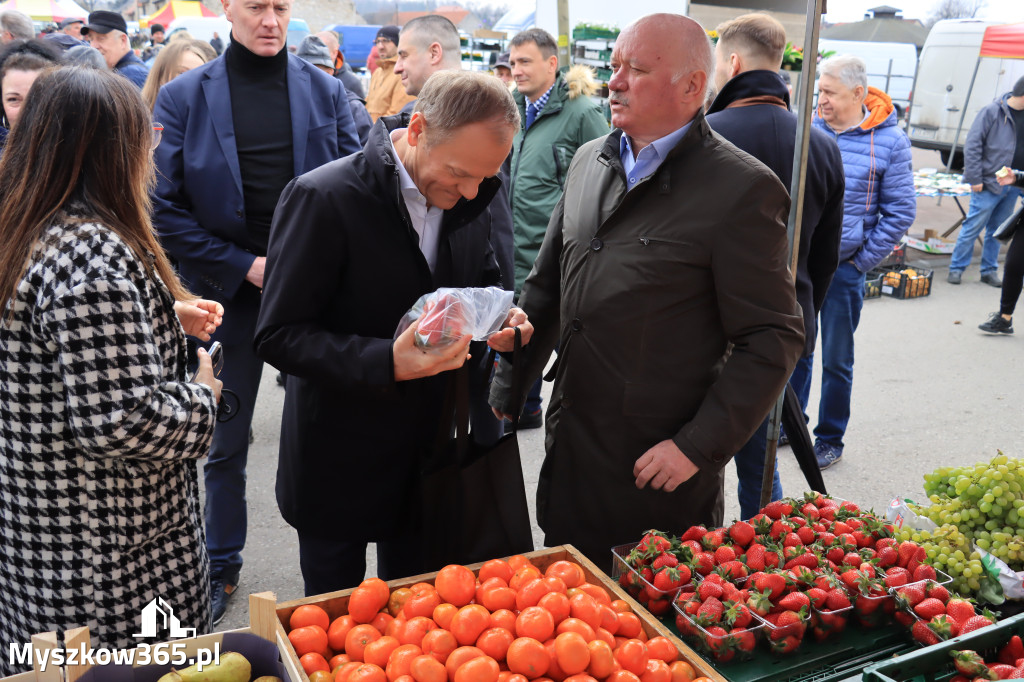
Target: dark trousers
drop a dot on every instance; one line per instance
(331, 565)
(1013, 274)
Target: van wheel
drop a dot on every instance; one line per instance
(958, 160)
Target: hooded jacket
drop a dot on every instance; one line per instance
(880, 202)
(343, 266)
(752, 112)
(990, 144)
(386, 95)
(541, 158)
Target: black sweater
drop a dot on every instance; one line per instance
(263, 134)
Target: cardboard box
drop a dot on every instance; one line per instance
(336, 604)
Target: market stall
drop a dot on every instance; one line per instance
(176, 9)
(46, 10)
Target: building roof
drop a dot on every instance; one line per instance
(879, 31)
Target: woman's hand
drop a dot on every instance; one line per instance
(200, 318)
(205, 374)
(504, 341)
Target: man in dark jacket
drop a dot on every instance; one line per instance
(752, 111)
(668, 246)
(361, 406)
(558, 117)
(996, 139)
(219, 177)
(108, 33)
(313, 50)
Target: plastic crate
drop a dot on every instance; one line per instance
(907, 282)
(829, 623)
(873, 284)
(934, 664)
(654, 600)
(717, 647)
(594, 32)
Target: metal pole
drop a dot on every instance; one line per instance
(963, 115)
(805, 92)
(563, 34)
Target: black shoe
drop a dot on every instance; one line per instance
(783, 439)
(529, 420)
(221, 590)
(954, 277)
(997, 324)
(992, 279)
(280, 378)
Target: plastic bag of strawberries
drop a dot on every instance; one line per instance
(446, 315)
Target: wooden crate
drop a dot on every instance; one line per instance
(336, 604)
(263, 622)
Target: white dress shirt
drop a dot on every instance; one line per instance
(426, 220)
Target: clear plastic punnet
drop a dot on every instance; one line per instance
(446, 315)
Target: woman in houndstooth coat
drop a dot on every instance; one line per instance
(99, 429)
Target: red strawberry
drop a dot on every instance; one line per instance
(654, 543)
(710, 611)
(912, 594)
(904, 618)
(741, 533)
(1012, 651)
(759, 603)
(786, 645)
(806, 535)
(755, 557)
(742, 639)
(974, 623)
(835, 554)
(837, 599)
(684, 574)
(790, 623)
(817, 597)
(937, 591)
(944, 626)
(907, 551)
(693, 533)
(923, 634)
(724, 554)
(805, 559)
(924, 572)
(703, 562)
(897, 576)
(667, 580)
(853, 559)
(709, 590)
(1001, 671)
(780, 529)
(718, 642)
(776, 510)
(851, 577)
(962, 611)
(794, 601)
(929, 608)
(969, 663)
(714, 539)
(738, 615)
(772, 559)
(664, 560)
(737, 569)
(773, 584)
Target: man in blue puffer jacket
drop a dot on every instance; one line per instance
(879, 207)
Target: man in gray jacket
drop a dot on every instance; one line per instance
(996, 139)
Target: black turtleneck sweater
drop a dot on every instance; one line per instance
(263, 134)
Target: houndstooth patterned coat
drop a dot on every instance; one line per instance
(99, 510)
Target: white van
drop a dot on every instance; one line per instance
(201, 28)
(944, 75)
(891, 66)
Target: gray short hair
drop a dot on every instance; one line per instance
(450, 100)
(17, 24)
(433, 28)
(847, 69)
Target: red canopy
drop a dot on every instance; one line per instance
(1005, 41)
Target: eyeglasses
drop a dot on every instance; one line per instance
(158, 131)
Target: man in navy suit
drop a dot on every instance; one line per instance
(236, 131)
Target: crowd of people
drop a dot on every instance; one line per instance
(254, 198)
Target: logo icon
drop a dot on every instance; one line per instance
(158, 611)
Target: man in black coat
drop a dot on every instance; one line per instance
(752, 111)
(353, 245)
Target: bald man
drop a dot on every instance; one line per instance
(341, 70)
(667, 248)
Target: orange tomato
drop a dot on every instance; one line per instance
(309, 614)
(621, 606)
(321, 676)
(339, 659)
(399, 660)
(572, 653)
(427, 669)
(555, 671)
(469, 622)
(629, 626)
(518, 561)
(662, 649)
(368, 599)
(605, 636)
(528, 657)
(367, 672)
(338, 631)
(496, 597)
(460, 656)
(379, 651)
(522, 576)
(312, 662)
(578, 626)
(581, 677)
(503, 618)
(595, 591)
(479, 669)
(342, 673)
(529, 593)
(381, 621)
(555, 584)
(405, 678)
(602, 659)
(681, 671)
(557, 604)
(414, 630)
(570, 573)
(456, 584)
(308, 639)
(357, 639)
(535, 622)
(395, 625)
(509, 676)
(632, 656)
(609, 619)
(444, 613)
(622, 676)
(440, 644)
(397, 600)
(496, 568)
(421, 602)
(657, 671)
(586, 608)
(494, 642)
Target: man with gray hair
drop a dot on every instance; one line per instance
(342, 71)
(426, 45)
(108, 33)
(14, 26)
(667, 248)
(878, 208)
(353, 245)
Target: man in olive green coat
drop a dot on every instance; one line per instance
(558, 117)
(663, 278)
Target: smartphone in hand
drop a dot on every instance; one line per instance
(216, 352)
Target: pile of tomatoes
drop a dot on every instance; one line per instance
(510, 623)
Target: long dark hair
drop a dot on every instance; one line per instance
(83, 138)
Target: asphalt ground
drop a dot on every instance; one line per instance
(930, 389)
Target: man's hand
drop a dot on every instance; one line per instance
(1006, 176)
(504, 341)
(411, 362)
(977, 188)
(664, 466)
(255, 274)
(200, 318)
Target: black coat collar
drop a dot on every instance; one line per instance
(751, 84)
